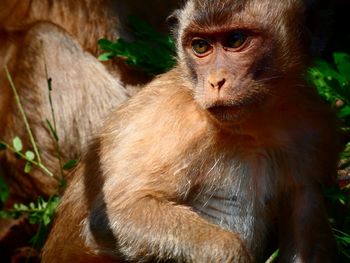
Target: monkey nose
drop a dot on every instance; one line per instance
(217, 84)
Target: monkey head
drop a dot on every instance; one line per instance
(235, 53)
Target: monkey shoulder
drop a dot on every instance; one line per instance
(162, 118)
(166, 104)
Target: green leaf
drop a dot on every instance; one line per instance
(4, 215)
(150, 50)
(344, 112)
(20, 207)
(106, 56)
(342, 60)
(2, 146)
(4, 190)
(32, 205)
(105, 44)
(30, 155)
(70, 164)
(28, 167)
(17, 144)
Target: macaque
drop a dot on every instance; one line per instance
(82, 90)
(209, 159)
(86, 21)
(42, 39)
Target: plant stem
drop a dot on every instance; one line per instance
(55, 138)
(40, 165)
(26, 123)
(273, 257)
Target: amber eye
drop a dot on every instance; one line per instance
(236, 40)
(200, 46)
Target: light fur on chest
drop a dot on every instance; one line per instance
(240, 202)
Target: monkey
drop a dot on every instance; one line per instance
(102, 18)
(74, 94)
(210, 158)
(48, 40)
(87, 21)
(57, 40)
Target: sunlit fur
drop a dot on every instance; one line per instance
(185, 173)
(41, 39)
(61, 37)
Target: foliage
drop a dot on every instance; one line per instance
(332, 81)
(4, 191)
(343, 241)
(150, 51)
(339, 216)
(39, 213)
(32, 158)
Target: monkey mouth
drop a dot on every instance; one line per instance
(224, 105)
(225, 112)
(218, 103)
(228, 111)
(243, 102)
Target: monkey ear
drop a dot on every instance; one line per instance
(173, 18)
(173, 21)
(319, 23)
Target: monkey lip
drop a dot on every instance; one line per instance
(219, 110)
(219, 106)
(225, 112)
(231, 105)
(230, 110)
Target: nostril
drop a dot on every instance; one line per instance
(221, 83)
(217, 84)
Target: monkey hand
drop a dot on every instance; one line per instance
(231, 248)
(227, 247)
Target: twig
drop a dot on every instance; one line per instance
(26, 123)
(40, 165)
(53, 131)
(273, 257)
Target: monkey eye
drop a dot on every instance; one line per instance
(236, 40)
(200, 46)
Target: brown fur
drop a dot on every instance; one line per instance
(82, 95)
(86, 20)
(189, 172)
(62, 37)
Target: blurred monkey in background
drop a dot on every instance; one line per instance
(43, 39)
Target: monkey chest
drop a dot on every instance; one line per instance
(241, 201)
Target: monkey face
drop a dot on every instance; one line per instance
(234, 56)
(227, 68)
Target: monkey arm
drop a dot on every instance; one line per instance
(147, 175)
(305, 234)
(150, 228)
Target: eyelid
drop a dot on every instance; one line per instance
(210, 42)
(246, 43)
